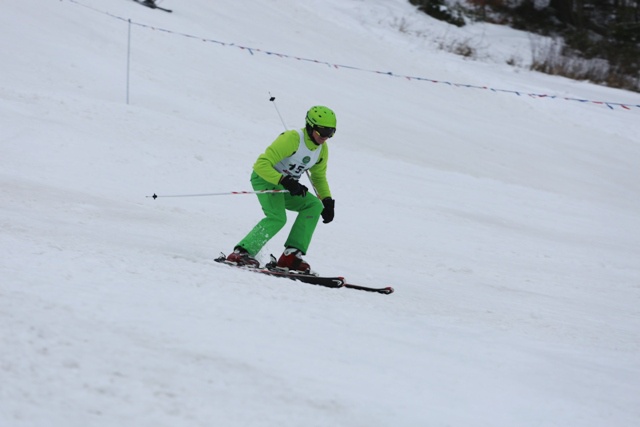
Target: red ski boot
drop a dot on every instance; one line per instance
(291, 259)
(240, 256)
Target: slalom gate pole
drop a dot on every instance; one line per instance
(128, 59)
(228, 193)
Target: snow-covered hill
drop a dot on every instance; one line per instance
(508, 224)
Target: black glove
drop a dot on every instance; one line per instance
(328, 211)
(294, 187)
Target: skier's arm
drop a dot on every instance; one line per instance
(284, 146)
(319, 174)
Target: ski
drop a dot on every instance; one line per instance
(328, 282)
(151, 4)
(312, 279)
(386, 290)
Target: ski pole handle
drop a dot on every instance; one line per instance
(228, 193)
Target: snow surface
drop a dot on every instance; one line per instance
(509, 225)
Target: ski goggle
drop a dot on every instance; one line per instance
(324, 132)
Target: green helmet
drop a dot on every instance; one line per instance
(321, 116)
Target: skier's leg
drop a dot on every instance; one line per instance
(273, 206)
(309, 209)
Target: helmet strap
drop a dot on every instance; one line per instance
(309, 130)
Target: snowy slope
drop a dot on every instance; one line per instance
(509, 225)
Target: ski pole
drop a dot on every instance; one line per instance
(273, 99)
(228, 193)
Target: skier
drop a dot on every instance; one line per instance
(280, 167)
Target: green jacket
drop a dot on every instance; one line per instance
(286, 145)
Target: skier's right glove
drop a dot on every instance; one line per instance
(294, 187)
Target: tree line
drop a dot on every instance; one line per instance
(596, 40)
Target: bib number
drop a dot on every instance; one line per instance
(296, 169)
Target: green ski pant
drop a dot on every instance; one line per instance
(274, 206)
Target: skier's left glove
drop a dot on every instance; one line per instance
(328, 211)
